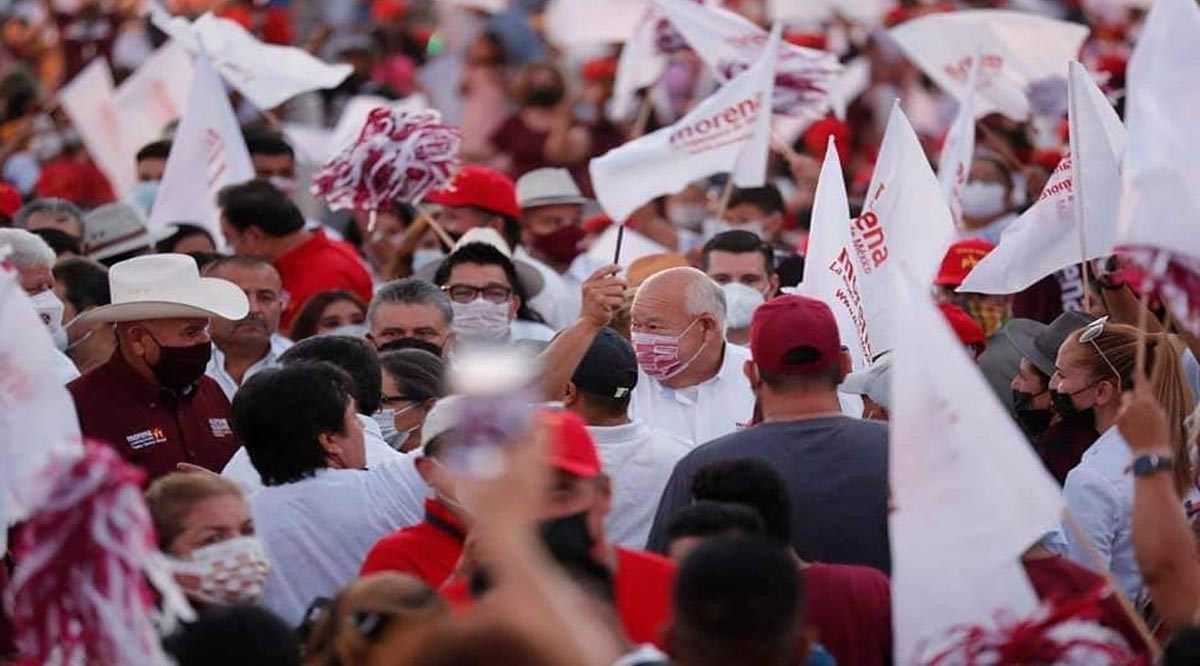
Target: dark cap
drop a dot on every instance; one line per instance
(794, 335)
(609, 368)
(1039, 342)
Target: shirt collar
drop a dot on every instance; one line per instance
(617, 434)
(439, 511)
(688, 394)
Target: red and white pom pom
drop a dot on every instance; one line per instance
(399, 156)
(80, 592)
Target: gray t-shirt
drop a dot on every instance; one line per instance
(836, 473)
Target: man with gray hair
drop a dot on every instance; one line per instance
(33, 260)
(411, 312)
(51, 213)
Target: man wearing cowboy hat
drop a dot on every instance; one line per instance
(151, 401)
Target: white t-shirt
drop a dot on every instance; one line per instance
(559, 301)
(241, 471)
(317, 531)
(638, 460)
(698, 413)
(216, 365)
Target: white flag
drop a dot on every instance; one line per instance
(37, 416)
(1083, 192)
(1018, 49)
(154, 96)
(572, 23)
(830, 272)
(208, 153)
(728, 132)
(1160, 199)
(866, 13)
(969, 493)
(641, 65)
(905, 218)
(88, 102)
(266, 74)
(954, 163)
(729, 43)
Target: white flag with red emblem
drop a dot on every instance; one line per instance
(571, 23)
(1075, 218)
(88, 101)
(37, 416)
(728, 132)
(208, 153)
(969, 494)
(830, 272)
(729, 44)
(154, 96)
(641, 65)
(954, 162)
(1018, 50)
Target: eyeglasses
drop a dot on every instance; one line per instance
(465, 293)
(1089, 335)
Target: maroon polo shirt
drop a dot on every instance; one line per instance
(151, 426)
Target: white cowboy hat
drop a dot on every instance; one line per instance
(165, 286)
(548, 187)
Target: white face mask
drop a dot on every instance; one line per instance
(226, 573)
(740, 302)
(482, 321)
(349, 331)
(386, 418)
(982, 199)
(143, 195)
(286, 185)
(424, 256)
(50, 309)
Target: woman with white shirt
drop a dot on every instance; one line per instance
(1095, 366)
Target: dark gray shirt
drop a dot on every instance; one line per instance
(836, 473)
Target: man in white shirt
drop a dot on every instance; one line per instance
(637, 458)
(33, 259)
(242, 348)
(356, 358)
(691, 382)
(551, 233)
(321, 509)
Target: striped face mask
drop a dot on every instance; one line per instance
(658, 354)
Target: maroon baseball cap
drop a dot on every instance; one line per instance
(794, 335)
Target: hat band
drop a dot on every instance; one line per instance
(92, 249)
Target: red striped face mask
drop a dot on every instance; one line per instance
(658, 354)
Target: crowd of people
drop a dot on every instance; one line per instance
(692, 469)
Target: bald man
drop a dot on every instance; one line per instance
(690, 380)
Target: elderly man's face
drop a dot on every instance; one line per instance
(394, 321)
(659, 309)
(65, 223)
(35, 279)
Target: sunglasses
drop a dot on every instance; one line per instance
(1089, 335)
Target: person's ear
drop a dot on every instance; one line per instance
(752, 376)
(426, 467)
(1107, 392)
(773, 290)
(371, 339)
(569, 395)
(333, 448)
(448, 345)
(847, 363)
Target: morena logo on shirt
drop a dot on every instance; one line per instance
(220, 428)
(140, 440)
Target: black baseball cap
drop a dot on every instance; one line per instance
(609, 368)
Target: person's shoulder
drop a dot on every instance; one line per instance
(846, 573)
(208, 389)
(737, 353)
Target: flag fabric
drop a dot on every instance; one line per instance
(634, 246)
(38, 424)
(265, 74)
(207, 154)
(154, 96)
(1075, 218)
(1018, 50)
(969, 494)
(728, 132)
(866, 13)
(88, 100)
(640, 65)
(830, 272)
(572, 23)
(954, 162)
(729, 44)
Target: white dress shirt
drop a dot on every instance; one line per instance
(216, 364)
(64, 368)
(1099, 494)
(638, 460)
(241, 471)
(317, 531)
(559, 301)
(700, 413)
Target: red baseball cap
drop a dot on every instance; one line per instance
(480, 187)
(794, 335)
(572, 449)
(599, 70)
(969, 332)
(10, 200)
(960, 259)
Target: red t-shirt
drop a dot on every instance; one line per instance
(428, 550)
(851, 608)
(320, 264)
(642, 586)
(1059, 580)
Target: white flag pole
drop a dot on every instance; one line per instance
(1076, 158)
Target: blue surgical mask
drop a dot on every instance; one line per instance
(425, 256)
(144, 194)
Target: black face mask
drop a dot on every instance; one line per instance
(411, 343)
(178, 368)
(1064, 404)
(567, 538)
(544, 96)
(1032, 420)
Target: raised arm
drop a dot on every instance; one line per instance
(603, 294)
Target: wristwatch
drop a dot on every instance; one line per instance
(1152, 464)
